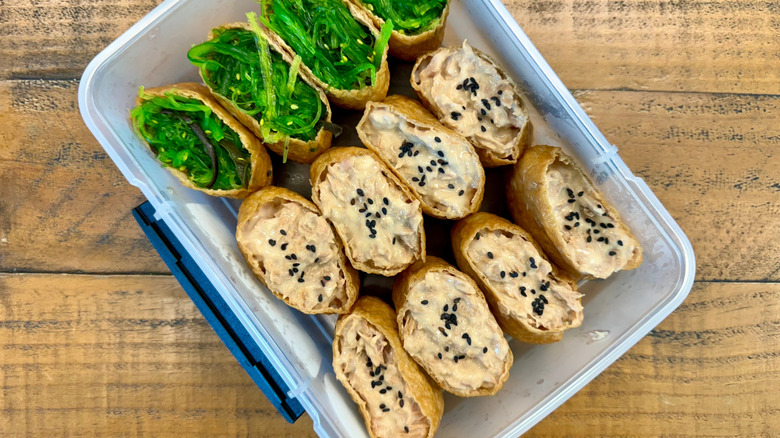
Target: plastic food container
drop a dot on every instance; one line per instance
(618, 311)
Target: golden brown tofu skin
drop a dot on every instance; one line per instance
(471, 93)
(354, 98)
(295, 253)
(550, 196)
(297, 150)
(262, 174)
(395, 397)
(529, 297)
(376, 216)
(439, 165)
(410, 47)
(446, 326)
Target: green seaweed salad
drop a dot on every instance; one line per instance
(185, 134)
(409, 17)
(337, 48)
(239, 65)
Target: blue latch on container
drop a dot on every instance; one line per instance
(217, 313)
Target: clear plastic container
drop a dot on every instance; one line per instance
(618, 311)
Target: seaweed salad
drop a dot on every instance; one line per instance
(409, 17)
(239, 65)
(337, 48)
(184, 134)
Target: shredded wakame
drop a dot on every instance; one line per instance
(163, 123)
(410, 17)
(337, 48)
(239, 65)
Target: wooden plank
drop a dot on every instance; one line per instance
(711, 369)
(712, 161)
(121, 356)
(696, 45)
(131, 355)
(693, 45)
(64, 206)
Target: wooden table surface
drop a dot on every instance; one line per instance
(97, 338)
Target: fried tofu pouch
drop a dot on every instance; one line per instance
(376, 216)
(530, 298)
(395, 397)
(298, 150)
(345, 98)
(470, 93)
(295, 253)
(261, 173)
(550, 196)
(410, 46)
(446, 326)
(439, 165)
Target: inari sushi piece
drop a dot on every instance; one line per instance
(550, 196)
(376, 216)
(439, 165)
(200, 142)
(531, 300)
(242, 67)
(295, 253)
(395, 397)
(418, 25)
(471, 93)
(446, 326)
(341, 50)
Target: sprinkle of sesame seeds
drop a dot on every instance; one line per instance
(490, 255)
(272, 242)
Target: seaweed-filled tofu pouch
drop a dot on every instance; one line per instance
(262, 86)
(200, 142)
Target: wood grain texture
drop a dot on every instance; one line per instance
(120, 356)
(64, 206)
(665, 45)
(710, 369)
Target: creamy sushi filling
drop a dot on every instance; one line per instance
(523, 280)
(474, 99)
(599, 244)
(448, 327)
(297, 250)
(380, 223)
(442, 168)
(368, 362)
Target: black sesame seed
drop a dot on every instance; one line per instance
(606, 240)
(301, 280)
(400, 394)
(610, 225)
(620, 243)
(422, 183)
(612, 253)
(483, 112)
(440, 153)
(313, 248)
(416, 153)
(600, 239)
(393, 240)
(322, 283)
(603, 225)
(288, 257)
(450, 186)
(290, 271)
(580, 193)
(384, 211)
(589, 239)
(272, 242)
(513, 274)
(415, 179)
(420, 169)
(490, 255)
(455, 115)
(483, 128)
(316, 260)
(295, 269)
(401, 404)
(433, 162)
(372, 236)
(533, 262)
(459, 87)
(383, 391)
(284, 247)
(406, 428)
(294, 257)
(454, 307)
(428, 168)
(424, 302)
(500, 92)
(284, 233)
(523, 274)
(567, 227)
(319, 298)
(441, 329)
(439, 355)
(460, 193)
(360, 192)
(570, 192)
(369, 364)
(576, 224)
(446, 348)
(378, 216)
(386, 410)
(441, 170)
(571, 201)
(596, 231)
(382, 406)
(352, 201)
(543, 299)
(484, 350)
(370, 201)
(437, 139)
(446, 307)
(503, 274)
(455, 358)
